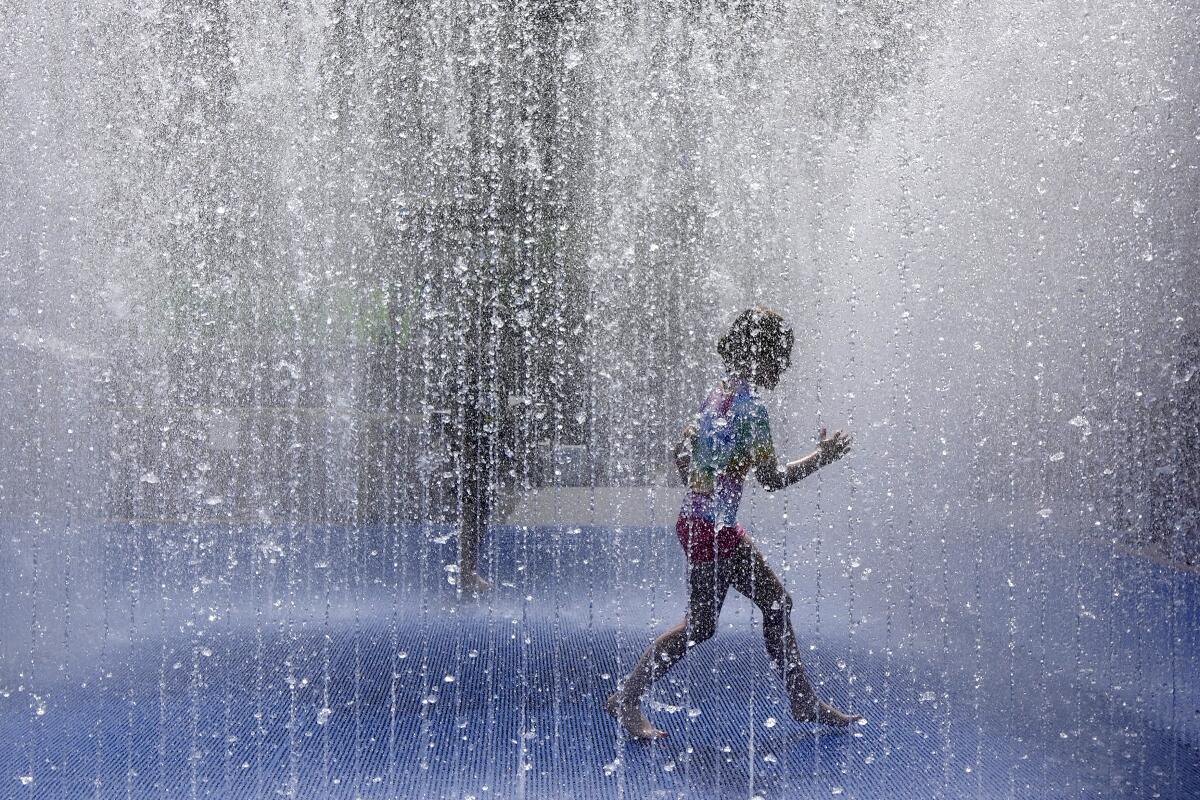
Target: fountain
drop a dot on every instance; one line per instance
(295, 293)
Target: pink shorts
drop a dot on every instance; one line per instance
(702, 542)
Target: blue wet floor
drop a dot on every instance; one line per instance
(291, 691)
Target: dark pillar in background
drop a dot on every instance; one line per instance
(482, 256)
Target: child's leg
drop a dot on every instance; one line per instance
(753, 577)
(707, 585)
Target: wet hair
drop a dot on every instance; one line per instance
(757, 342)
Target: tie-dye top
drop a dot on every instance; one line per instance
(732, 436)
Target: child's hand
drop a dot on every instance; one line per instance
(831, 448)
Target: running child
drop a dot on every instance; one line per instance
(731, 437)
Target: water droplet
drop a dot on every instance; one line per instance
(666, 708)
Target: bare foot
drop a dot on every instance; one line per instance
(631, 717)
(474, 583)
(807, 711)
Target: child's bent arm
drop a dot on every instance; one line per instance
(683, 453)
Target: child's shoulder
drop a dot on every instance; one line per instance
(746, 402)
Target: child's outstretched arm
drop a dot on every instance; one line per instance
(829, 449)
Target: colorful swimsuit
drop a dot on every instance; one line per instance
(732, 435)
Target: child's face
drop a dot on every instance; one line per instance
(767, 375)
(768, 371)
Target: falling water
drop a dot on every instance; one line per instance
(285, 284)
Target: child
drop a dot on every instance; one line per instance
(730, 437)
